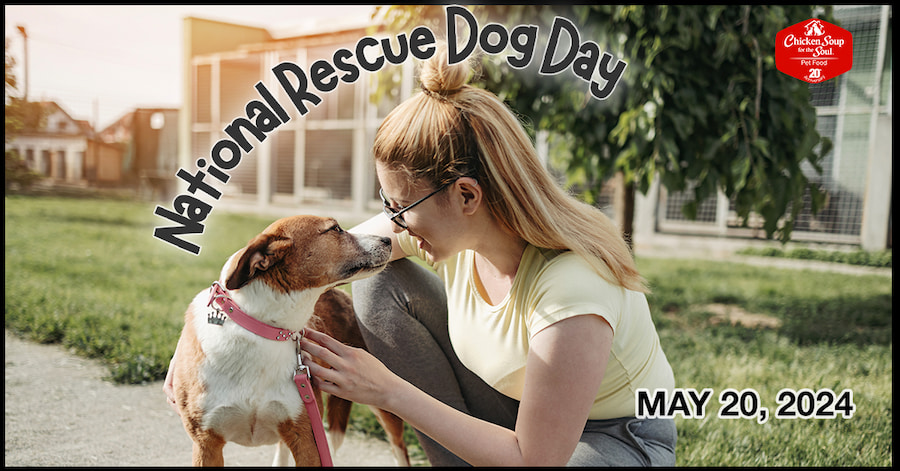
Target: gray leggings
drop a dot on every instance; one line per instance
(402, 313)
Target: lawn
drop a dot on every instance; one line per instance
(88, 274)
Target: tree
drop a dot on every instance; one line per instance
(700, 103)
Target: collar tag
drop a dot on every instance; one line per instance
(215, 317)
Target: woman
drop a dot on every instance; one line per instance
(528, 345)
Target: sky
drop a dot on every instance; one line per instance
(100, 62)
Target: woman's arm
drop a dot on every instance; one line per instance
(381, 226)
(565, 367)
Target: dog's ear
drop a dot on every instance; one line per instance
(263, 252)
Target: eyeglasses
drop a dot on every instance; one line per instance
(397, 216)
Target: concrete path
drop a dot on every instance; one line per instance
(60, 412)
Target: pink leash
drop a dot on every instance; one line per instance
(227, 307)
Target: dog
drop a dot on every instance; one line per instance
(233, 385)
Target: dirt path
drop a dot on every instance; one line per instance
(60, 412)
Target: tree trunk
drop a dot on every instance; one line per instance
(624, 206)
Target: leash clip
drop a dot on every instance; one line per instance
(216, 315)
(216, 292)
(301, 368)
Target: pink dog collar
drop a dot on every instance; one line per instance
(227, 305)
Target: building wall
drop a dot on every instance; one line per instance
(199, 37)
(321, 158)
(103, 164)
(57, 157)
(57, 150)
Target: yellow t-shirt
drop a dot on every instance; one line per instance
(550, 285)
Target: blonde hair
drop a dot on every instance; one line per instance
(451, 129)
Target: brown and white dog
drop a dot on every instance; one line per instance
(232, 385)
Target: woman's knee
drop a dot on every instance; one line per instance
(403, 286)
(627, 442)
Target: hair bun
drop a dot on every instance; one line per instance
(438, 76)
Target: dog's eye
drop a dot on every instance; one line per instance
(336, 228)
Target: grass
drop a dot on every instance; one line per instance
(836, 334)
(878, 259)
(87, 273)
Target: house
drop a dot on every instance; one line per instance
(59, 149)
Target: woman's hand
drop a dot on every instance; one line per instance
(354, 375)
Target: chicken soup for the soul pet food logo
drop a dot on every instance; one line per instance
(814, 50)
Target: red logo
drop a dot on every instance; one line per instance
(814, 50)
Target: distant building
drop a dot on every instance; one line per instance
(322, 161)
(147, 142)
(138, 151)
(58, 150)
